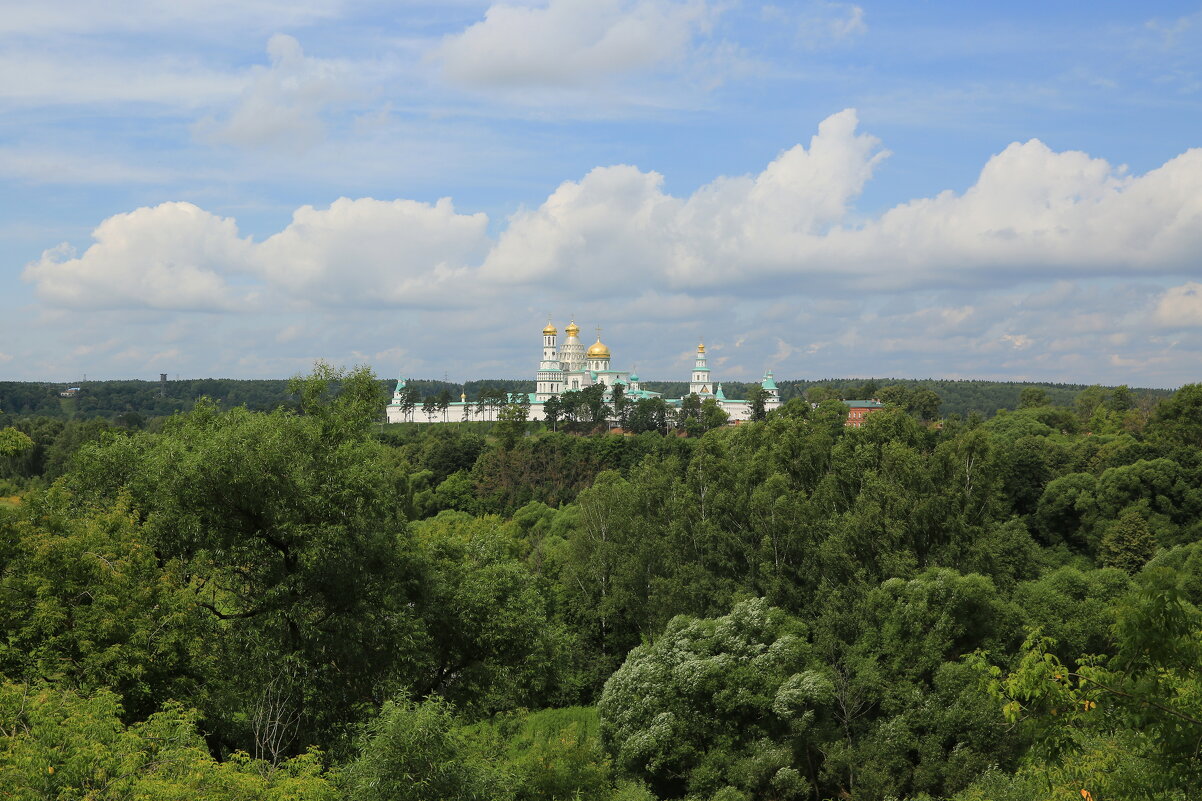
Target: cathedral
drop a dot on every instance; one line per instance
(571, 367)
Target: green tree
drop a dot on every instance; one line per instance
(925, 403)
(895, 395)
(290, 530)
(85, 600)
(822, 392)
(718, 702)
(593, 399)
(1119, 726)
(555, 754)
(1032, 397)
(418, 752)
(712, 415)
(571, 407)
(493, 644)
(14, 442)
(621, 405)
(1128, 543)
(1178, 419)
(552, 409)
(1088, 401)
(690, 407)
(57, 743)
(511, 425)
(758, 398)
(649, 414)
(1067, 509)
(1121, 399)
(408, 401)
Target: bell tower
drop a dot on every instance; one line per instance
(701, 385)
(550, 376)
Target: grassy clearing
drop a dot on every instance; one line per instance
(10, 500)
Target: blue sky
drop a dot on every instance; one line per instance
(828, 189)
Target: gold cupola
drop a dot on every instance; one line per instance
(598, 350)
(550, 330)
(572, 329)
(701, 347)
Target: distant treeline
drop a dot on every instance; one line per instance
(129, 402)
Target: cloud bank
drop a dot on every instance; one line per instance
(1032, 214)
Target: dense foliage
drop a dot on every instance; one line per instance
(134, 403)
(287, 603)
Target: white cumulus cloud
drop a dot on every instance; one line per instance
(618, 222)
(1036, 213)
(171, 256)
(376, 252)
(1180, 306)
(282, 103)
(572, 42)
(1033, 215)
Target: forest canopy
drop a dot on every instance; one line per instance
(280, 601)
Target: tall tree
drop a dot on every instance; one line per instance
(758, 398)
(408, 401)
(1032, 397)
(289, 529)
(925, 403)
(14, 442)
(1128, 543)
(621, 405)
(511, 425)
(552, 409)
(712, 415)
(1179, 419)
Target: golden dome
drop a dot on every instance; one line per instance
(701, 348)
(549, 331)
(572, 329)
(598, 350)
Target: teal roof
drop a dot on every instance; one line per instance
(701, 369)
(864, 404)
(634, 377)
(720, 395)
(768, 383)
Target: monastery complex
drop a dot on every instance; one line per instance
(571, 367)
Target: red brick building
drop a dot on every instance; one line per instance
(860, 409)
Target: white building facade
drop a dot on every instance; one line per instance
(571, 367)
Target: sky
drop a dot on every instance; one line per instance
(238, 188)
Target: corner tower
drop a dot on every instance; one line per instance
(770, 387)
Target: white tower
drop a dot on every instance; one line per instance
(700, 385)
(572, 353)
(550, 374)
